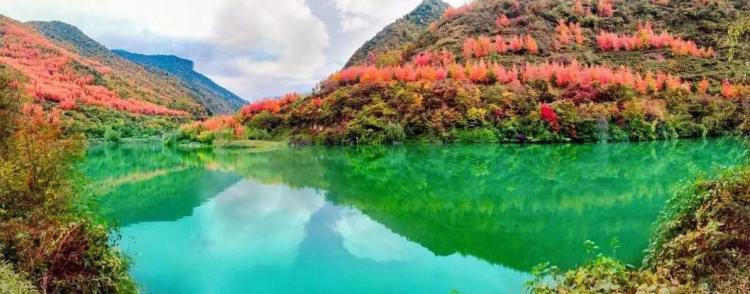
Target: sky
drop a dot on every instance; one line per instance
(255, 48)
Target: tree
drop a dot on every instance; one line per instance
(604, 8)
(516, 44)
(703, 86)
(483, 47)
(577, 33)
(500, 45)
(67, 104)
(727, 90)
(531, 45)
(563, 33)
(548, 115)
(469, 48)
(578, 8)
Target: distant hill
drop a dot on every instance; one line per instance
(211, 97)
(532, 71)
(402, 32)
(216, 98)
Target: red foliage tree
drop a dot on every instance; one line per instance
(452, 13)
(405, 74)
(484, 47)
(67, 104)
(469, 48)
(645, 37)
(703, 86)
(577, 33)
(423, 59)
(516, 44)
(727, 90)
(478, 73)
(267, 105)
(564, 35)
(548, 115)
(604, 8)
(500, 45)
(578, 8)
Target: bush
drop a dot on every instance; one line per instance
(44, 233)
(265, 120)
(13, 283)
(484, 135)
(394, 133)
(257, 134)
(110, 135)
(205, 137)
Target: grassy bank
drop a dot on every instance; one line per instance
(701, 245)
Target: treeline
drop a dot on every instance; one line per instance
(488, 102)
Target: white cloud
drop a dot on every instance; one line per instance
(364, 238)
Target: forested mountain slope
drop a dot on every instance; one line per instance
(215, 98)
(398, 35)
(534, 71)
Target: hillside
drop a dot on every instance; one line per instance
(212, 98)
(404, 31)
(533, 71)
(215, 98)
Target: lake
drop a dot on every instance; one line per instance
(400, 219)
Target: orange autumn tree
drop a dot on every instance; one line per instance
(530, 45)
(605, 8)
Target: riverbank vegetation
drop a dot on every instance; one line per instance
(47, 238)
(701, 245)
(484, 103)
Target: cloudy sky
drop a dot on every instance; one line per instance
(256, 48)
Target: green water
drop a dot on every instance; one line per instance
(404, 219)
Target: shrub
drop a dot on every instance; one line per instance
(479, 135)
(14, 283)
(394, 133)
(111, 135)
(265, 120)
(206, 137)
(44, 233)
(257, 134)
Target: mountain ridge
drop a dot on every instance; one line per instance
(406, 29)
(185, 70)
(217, 101)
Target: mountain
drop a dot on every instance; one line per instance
(213, 98)
(400, 33)
(99, 93)
(532, 71)
(217, 99)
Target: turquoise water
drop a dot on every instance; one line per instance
(403, 219)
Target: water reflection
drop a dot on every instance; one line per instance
(386, 219)
(367, 239)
